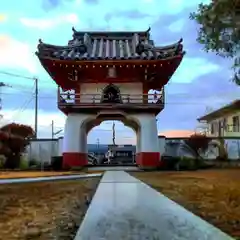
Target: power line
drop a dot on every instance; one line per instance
(19, 76)
(23, 108)
(15, 75)
(36, 94)
(166, 103)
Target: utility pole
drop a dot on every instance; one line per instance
(52, 130)
(52, 125)
(113, 136)
(98, 146)
(2, 84)
(36, 106)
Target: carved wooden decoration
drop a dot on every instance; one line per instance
(111, 73)
(73, 76)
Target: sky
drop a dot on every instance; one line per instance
(201, 82)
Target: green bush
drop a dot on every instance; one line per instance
(169, 163)
(186, 163)
(2, 161)
(23, 163)
(56, 162)
(33, 162)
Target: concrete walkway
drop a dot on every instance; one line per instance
(44, 179)
(114, 168)
(125, 208)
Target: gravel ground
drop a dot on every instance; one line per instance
(214, 195)
(46, 211)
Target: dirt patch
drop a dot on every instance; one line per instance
(44, 211)
(213, 195)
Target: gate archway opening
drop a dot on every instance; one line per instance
(113, 138)
(112, 152)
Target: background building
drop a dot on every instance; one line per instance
(223, 122)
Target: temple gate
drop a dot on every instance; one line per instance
(109, 76)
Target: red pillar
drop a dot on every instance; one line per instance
(74, 159)
(148, 160)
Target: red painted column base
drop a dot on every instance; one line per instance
(74, 159)
(148, 160)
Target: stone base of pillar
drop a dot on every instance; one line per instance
(148, 160)
(74, 159)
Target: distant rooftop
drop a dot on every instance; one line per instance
(177, 133)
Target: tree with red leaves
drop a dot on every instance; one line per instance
(13, 141)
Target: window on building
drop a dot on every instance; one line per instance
(225, 124)
(212, 128)
(220, 128)
(236, 124)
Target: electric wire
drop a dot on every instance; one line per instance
(166, 103)
(26, 103)
(23, 108)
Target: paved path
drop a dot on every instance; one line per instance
(44, 179)
(125, 208)
(114, 168)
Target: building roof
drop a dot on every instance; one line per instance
(177, 133)
(227, 109)
(109, 45)
(123, 148)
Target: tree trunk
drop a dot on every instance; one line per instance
(12, 161)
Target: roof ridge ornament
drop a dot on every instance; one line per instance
(74, 30)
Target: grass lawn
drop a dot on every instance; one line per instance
(48, 210)
(213, 195)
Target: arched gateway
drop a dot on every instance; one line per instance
(107, 76)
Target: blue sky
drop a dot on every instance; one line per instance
(201, 81)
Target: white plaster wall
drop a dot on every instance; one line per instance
(148, 132)
(75, 136)
(60, 146)
(232, 146)
(130, 89)
(42, 151)
(162, 143)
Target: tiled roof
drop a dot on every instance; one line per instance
(109, 45)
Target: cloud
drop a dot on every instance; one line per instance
(199, 67)
(44, 119)
(124, 15)
(14, 53)
(49, 23)
(177, 26)
(185, 102)
(50, 4)
(3, 18)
